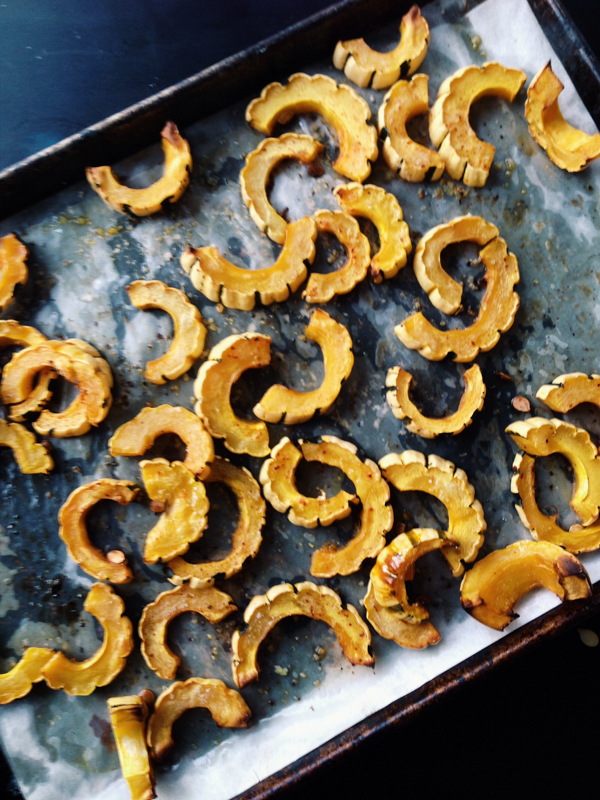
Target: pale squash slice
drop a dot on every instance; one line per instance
(491, 589)
(467, 157)
(227, 707)
(412, 161)
(282, 404)
(13, 269)
(567, 147)
(189, 330)
(226, 363)
(307, 600)
(246, 538)
(13, 333)
(223, 282)
(385, 212)
(82, 677)
(568, 391)
(73, 530)
(31, 456)
(277, 476)
(254, 178)
(429, 427)
(367, 67)
(168, 189)
(133, 438)
(411, 471)
(340, 106)
(17, 682)
(210, 603)
(497, 313)
(322, 287)
(444, 292)
(542, 437)
(128, 716)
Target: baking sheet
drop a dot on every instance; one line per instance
(83, 255)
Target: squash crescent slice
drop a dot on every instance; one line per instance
(411, 471)
(128, 716)
(221, 281)
(212, 387)
(376, 516)
(73, 530)
(31, 456)
(444, 292)
(542, 437)
(429, 427)
(322, 287)
(307, 600)
(13, 269)
(227, 707)
(82, 677)
(384, 211)
(209, 603)
(491, 589)
(277, 476)
(467, 157)
(246, 538)
(255, 176)
(568, 391)
(13, 333)
(184, 520)
(189, 330)
(340, 106)
(367, 67)
(17, 682)
(412, 161)
(282, 404)
(168, 189)
(567, 147)
(497, 313)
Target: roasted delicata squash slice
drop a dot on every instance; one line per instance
(31, 456)
(367, 67)
(412, 161)
(307, 600)
(429, 427)
(254, 178)
(246, 538)
(411, 471)
(17, 682)
(128, 716)
(568, 391)
(538, 436)
(567, 147)
(168, 189)
(497, 313)
(82, 677)
(13, 333)
(227, 707)
(444, 292)
(339, 105)
(277, 476)
(73, 529)
(467, 157)
(208, 602)
(226, 362)
(282, 404)
(172, 485)
(190, 331)
(491, 589)
(384, 211)
(13, 269)
(322, 287)
(221, 281)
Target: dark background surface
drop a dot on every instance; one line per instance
(529, 726)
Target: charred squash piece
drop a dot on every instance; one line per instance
(367, 67)
(209, 603)
(168, 189)
(568, 391)
(340, 106)
(429, 427)
(491, 589)
(18, 681)
(13, 269)
(82, 677)
(221, 281)
(307, 600)
(31, 456)
(128, 716)
(467, 157)
(13, 333)
(411, 471)
(190, 332)
(496, 314)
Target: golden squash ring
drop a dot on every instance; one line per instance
(568, 391)
(31, 456)
(13, 269)
(13, 333)
(17, 682)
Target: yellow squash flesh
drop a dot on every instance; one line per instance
(13, 333)
(13, 269)
(31, 456)
(568, 391)
(17, 682)
(128, 716)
